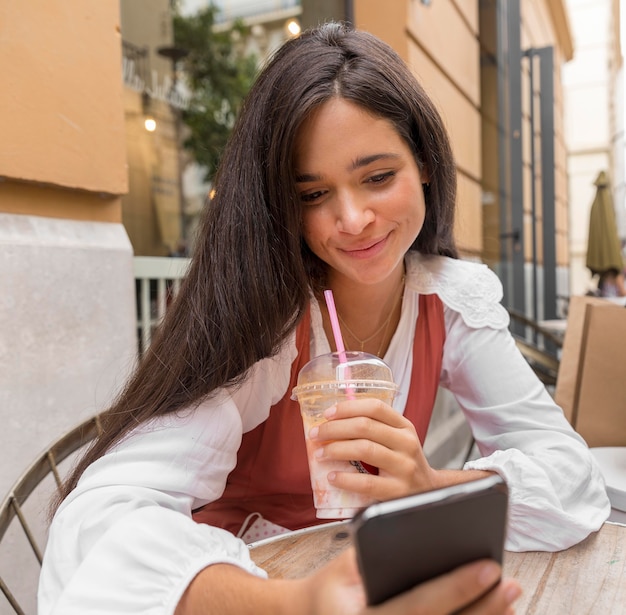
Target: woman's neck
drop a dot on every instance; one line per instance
(368, 313)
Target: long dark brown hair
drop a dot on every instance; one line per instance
(251, 273)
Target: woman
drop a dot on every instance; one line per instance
(611, 284)
(339, 174)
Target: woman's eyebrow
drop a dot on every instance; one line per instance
(307, 177)
(363, 161)
(357, 163)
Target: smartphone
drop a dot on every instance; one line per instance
(403, 542)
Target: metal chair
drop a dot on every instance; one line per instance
(47, 464)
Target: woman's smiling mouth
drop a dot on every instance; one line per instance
(368, 250)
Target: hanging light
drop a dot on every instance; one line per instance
(149, 122)
(293, 27)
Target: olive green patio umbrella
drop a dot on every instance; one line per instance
(603, 245)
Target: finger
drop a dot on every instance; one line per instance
(368, 406)
(401, 437)
(498, 600)
(399, 471)
(346, 564)
(397, 474)
(337, 587)
(450, 592)
(372, 487)
(371, 451)
(366, 484)
(396, 452)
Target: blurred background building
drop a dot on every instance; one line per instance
(93, 175)
(593, 100)
(517, 72)
(154, 211)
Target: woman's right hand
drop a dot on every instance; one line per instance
(337, 589)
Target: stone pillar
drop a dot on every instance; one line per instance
(67, 314)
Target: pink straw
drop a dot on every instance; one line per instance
(341, 350)
(334, 322)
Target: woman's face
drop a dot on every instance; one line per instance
(360, 190)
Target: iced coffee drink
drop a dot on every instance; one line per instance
(323, 382)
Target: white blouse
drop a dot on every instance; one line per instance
(124, 541)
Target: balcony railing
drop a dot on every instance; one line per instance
(157, 281)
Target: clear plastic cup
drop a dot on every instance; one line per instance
(323, 382)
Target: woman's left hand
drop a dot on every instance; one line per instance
(371, 431)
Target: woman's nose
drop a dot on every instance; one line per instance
(353, 214)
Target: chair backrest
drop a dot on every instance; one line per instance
(590, 388)
(12, 511)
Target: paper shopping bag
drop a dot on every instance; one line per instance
(591, 384)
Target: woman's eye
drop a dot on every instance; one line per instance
(381, 178)
(310, 197)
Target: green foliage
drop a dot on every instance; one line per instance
(219, 74)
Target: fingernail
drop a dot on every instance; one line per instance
(313, 432)
(330, 412)
(489, 574)
(513, 593)
(331, 477)
(319, 452)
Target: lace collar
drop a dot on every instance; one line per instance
(471, 289)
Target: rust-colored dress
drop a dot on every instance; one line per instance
(272, 473)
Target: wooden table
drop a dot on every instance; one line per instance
(589, 578)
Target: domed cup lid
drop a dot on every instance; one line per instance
(358, 370)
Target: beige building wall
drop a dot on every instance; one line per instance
(55, 85)
(67, 314)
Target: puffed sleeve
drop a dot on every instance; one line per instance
(124, 540)
(557, 494)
